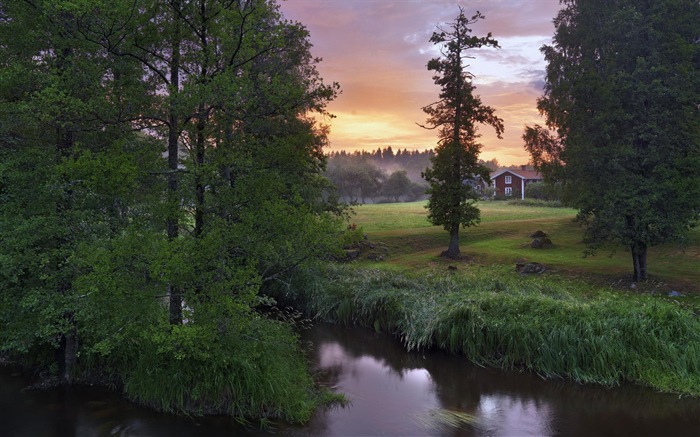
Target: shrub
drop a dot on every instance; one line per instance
(253, 368)
(536, 202)
(543, 191)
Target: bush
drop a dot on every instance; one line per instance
(255, 370)
(352, 236)
(543, 191)
(536, 202)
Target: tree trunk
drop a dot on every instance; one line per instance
(639, 261)
(175, 296)
(67, 353)
(200, 146)
(453, 250)
(199, 171)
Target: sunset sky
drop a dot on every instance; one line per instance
(377, 50)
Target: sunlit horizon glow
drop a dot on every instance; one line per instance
(377, 50)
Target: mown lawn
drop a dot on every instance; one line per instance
(502, 238)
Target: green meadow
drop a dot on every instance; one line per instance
(502, 238)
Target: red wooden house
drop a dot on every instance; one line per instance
(512, 182)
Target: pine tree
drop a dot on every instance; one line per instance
(456, 116)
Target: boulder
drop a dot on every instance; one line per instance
(529, 268)
(541, 243)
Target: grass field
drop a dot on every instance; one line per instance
(502, 239)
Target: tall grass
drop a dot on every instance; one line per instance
(256, 372)
(555, 327)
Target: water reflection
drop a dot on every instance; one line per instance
(398, 393)
(391, 392)
(382, 397)
(89, 411)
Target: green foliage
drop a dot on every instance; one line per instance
(249, 368)
(352, 236)
(356, 181)
(411, 161)
(397, 185)
(457, 115)
(621, 91)
(536, 202)
(545, 191)
(106, 241)
(361, 176)
(555, 327)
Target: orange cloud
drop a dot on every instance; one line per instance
(378, 51)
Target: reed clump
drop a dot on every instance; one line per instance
(254, 371)
(556, 327)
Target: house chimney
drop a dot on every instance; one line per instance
(523, 167)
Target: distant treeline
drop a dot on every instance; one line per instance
(382, 175)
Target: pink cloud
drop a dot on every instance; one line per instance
(378, 50)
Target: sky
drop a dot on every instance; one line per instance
(377, 50)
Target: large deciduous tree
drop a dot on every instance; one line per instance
(456, 116)
(69, 173)
(231, 84)
(621, 101)
(119, 117)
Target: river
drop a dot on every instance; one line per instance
(391, 393)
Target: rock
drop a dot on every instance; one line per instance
(538, 234)
(352, 254)
(541, 243)
(375, 257)
(529, 268)
(674, 293)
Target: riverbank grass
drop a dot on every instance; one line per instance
(257, 372)
(556, 327)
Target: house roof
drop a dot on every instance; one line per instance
(522, 174)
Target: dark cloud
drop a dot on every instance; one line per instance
(378, 50)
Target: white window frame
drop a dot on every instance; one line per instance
(509, 191)
(509, 179)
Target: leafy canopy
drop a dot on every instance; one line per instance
(621, 101)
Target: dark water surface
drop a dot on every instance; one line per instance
(392, 393)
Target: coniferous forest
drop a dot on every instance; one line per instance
(382, 175)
